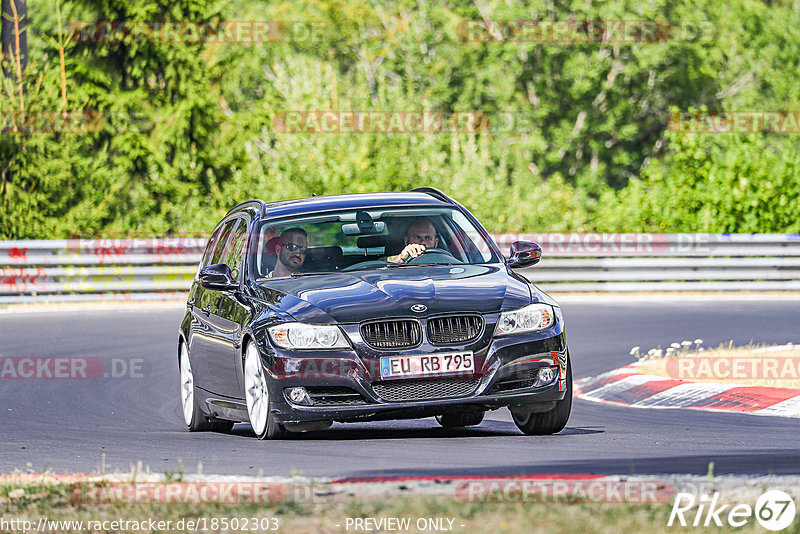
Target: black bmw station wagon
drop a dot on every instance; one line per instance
(367, 307)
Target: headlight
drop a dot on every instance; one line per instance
(307, 336)
(531, 318)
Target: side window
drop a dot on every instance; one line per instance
(210, 246)
(471, 241)
(222, 245)
(236, 249)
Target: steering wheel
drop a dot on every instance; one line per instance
(449, 258)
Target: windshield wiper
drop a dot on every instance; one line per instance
(312, 273)
(391, 266)
(396, 265)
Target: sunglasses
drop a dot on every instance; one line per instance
(292, 247)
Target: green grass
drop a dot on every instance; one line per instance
(324, 513)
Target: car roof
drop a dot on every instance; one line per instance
(284, 208)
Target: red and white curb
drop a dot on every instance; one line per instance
(627, 387)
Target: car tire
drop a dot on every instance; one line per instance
(259, 405)
(458, 420)
(194, 418)
(535, 423)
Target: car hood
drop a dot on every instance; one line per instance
(352, 297)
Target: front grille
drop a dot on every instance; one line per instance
(334, 396)
(454, 329)
(425, 388)
(392, 334)
(521, 380)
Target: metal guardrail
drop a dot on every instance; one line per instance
(163, 268)
(98, 269)
(664, 262)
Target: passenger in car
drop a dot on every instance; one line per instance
(420, 236)
(291, 250)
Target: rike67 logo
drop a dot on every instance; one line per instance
(774, 510)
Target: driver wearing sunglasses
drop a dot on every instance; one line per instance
(291, 251)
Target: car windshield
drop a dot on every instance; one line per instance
(354, 240)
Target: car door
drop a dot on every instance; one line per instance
(225, 320)
(198, 329)
(202, 336)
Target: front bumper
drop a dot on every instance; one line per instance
(286, 412)
(504, 376)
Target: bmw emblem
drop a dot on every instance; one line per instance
(419, 308)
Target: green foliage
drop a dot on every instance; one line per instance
(162, 145)
(188, 129)
(712, 183)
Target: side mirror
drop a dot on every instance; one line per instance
(524, 253)
(217, 276)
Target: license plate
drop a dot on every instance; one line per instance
(427, 364)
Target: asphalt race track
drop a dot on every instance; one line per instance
(66, 425)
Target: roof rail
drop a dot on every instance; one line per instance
(435, 193)
(256, 202)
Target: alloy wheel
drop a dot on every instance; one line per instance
(256, 392)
